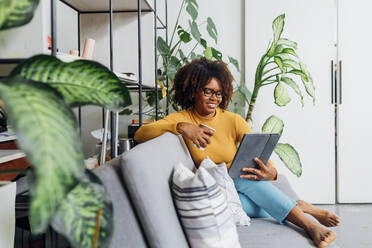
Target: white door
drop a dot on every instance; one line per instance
(310, 130)
(355, 111)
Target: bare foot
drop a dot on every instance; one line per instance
(323, 216)
(321, 236)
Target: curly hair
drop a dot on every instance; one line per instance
(191, 79)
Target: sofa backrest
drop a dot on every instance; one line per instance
(147, 171)
(127, 230)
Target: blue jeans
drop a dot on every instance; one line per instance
(261, 199)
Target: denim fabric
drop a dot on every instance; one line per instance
(261, 199)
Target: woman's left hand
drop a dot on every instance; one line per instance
(266, 172)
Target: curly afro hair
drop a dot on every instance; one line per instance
(191, 79)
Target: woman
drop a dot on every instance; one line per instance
(203, 89)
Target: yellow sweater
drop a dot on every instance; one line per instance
(229, 127)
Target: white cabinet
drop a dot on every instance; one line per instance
(355, 112)
(333, 139)
(310, 130)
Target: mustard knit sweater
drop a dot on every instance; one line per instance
(229, 127)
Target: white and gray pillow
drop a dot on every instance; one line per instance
(220, 174)
(203, 209)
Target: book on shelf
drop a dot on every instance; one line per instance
(127, 77)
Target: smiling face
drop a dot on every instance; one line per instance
(206, 105)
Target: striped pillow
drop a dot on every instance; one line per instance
(203, 209)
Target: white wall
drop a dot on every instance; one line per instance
(229, 19)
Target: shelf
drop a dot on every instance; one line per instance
(9, 155)
(11, 60)
(135, 87)
(102, 6)
(84, 6)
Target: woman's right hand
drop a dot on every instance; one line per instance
(198, 134)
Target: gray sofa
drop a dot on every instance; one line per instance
(144, 214)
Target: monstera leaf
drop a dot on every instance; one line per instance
(81, 82)
(85, 217)
(14, 13)
(47, 132)
(290, 158)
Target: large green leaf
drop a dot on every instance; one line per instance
(47, 131)
(171, 71)
(281, 95)
(193, 12)
(284, 56)
(279, 63)
(238, 103)
(294, 86)
(184, 36)
(216, 54)
(235, 63)
(175, 61)
(291, 64)
(192, 2)
(289, 51)
(212, 30)
(163, 48)
(273, 125)
(80, 82)
(151, 97)
(77, 216)
(203, 43)
(279, 49)
(290, 158)
(195, 30)
(278, 25)
(307, 81)
(14, 13)
(183, 57)
(286, 42)
(208, 53)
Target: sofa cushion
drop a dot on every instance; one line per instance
(220, 174)
(147, 171)
(203, 209)
(127, 231)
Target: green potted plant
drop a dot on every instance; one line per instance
(280, 65)
(38, 96)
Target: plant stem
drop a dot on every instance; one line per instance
(192, 50)
(174, 47)
(252, 103)
(257, 85)
(267, 78)
(175, 25)
(272, 81)
(265, 72)
(96, 229)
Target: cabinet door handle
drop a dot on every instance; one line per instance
(332, 82)
(340, 73)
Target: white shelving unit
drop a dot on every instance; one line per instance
(125, 42)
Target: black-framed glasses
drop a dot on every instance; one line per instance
(209, 92)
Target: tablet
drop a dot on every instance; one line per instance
(253, 145)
